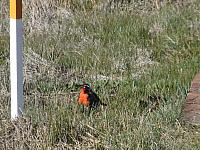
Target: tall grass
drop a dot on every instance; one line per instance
(140, 62)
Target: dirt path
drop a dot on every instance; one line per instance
(191, 109)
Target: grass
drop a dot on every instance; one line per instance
(3, 48)
(140, 65)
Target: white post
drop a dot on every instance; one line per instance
(16, 58)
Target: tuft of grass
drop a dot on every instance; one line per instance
(3, 49)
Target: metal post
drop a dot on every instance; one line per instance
(16, 58)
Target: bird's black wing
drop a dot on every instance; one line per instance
(97, 100)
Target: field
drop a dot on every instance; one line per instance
(138, 58)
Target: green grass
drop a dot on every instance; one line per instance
(111, 44)
(3, 48)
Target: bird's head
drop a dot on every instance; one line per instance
(86, 87)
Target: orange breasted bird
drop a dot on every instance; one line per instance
(89, 98)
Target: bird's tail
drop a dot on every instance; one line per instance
(103, 104)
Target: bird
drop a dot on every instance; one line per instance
(88, 98)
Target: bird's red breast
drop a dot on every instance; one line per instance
(83, 98)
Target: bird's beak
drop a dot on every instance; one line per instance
(80, 85)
